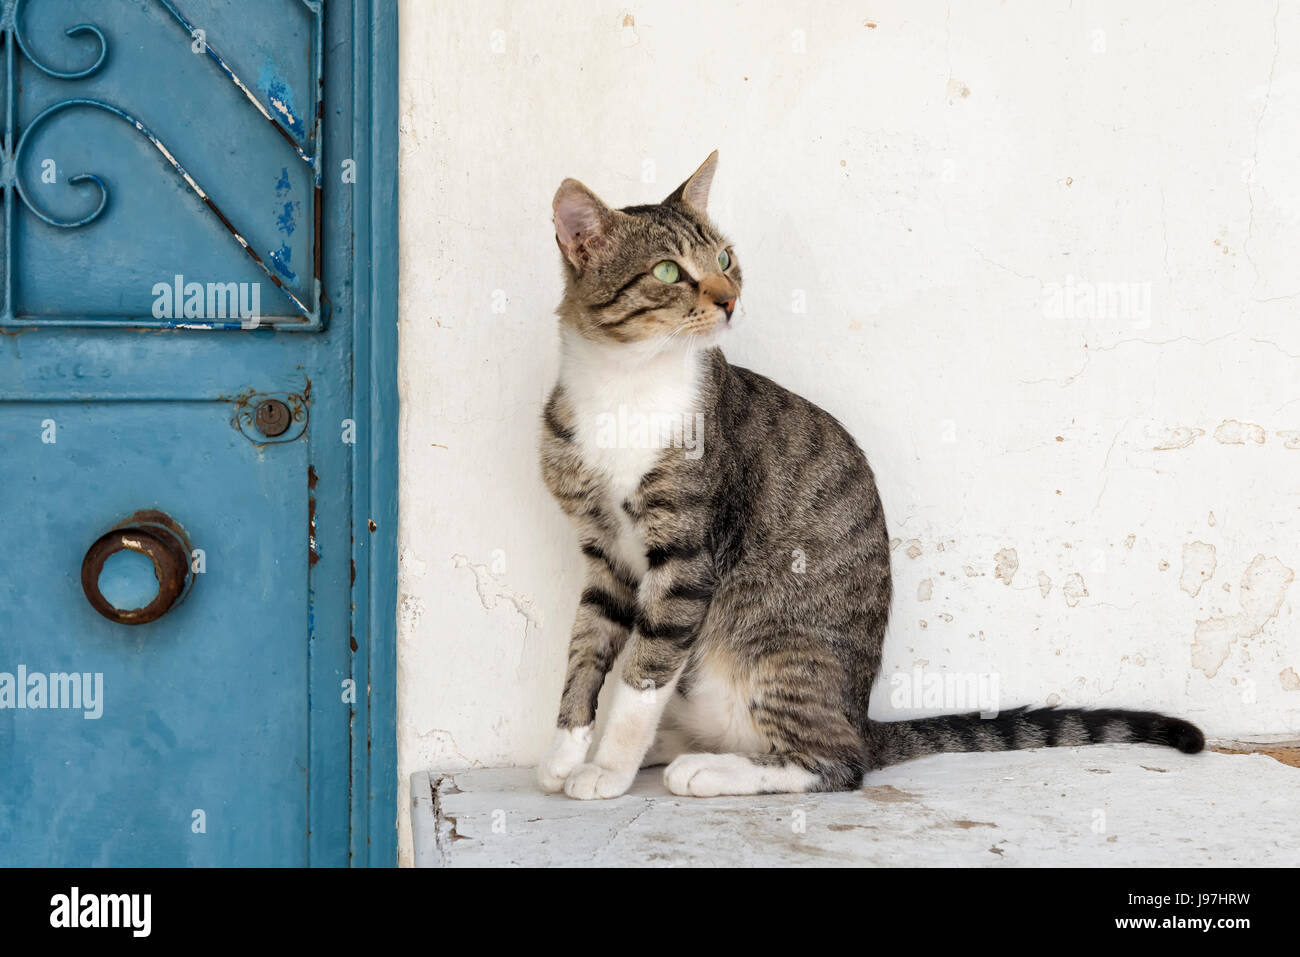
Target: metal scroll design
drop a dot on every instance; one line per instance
(14, 23)
(11, 20)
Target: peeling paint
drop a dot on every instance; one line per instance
(280, 96)
(1290, 438)
(1044, 583)
(280, 260)
(1290, 680)
(1007, 563)
(925, 590)
(491, 591)
(1263, 589)
(410, 565)
(1199, 561)
(1232, 432)
(410, 609)
(1074, 589)
(1178, 438)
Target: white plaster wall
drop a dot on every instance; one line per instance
(940, 189)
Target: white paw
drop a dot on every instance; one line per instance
(589, 781)
(551, 775)
(707, 775)
(566, 752)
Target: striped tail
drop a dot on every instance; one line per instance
(895, 741)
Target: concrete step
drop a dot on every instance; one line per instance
(1109, 805)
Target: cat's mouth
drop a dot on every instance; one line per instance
(720, 316)
(713, 329)
(708, 325)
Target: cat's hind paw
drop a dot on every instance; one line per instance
(705, 775)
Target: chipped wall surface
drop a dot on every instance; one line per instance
(1038, 258)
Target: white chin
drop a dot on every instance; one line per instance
(714, 335)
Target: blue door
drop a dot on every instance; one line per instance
(196, 425)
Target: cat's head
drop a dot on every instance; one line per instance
(654, 275)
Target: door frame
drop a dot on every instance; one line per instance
(375, 459)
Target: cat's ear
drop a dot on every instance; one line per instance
(582, 223)
(695, 191)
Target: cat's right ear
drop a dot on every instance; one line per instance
(582, 223)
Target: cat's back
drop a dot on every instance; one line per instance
(793, 442)
(795, 488)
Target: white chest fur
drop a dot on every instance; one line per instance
(628, 408)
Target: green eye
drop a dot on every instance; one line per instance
(724, 260)
(667, 271)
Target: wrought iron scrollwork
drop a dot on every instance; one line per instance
(77, 180)
(82, 178)
(16, 25)
(11, 20)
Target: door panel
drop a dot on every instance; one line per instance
(197, 709)
(262, 697)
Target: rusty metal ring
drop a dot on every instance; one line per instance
(170, 564)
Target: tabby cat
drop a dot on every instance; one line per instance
(694, 485)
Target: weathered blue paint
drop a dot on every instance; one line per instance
(280, 99)
(270, 256)
(232, 703)
(286, 221)
(280, 260)
(375, 404)
(279, 88)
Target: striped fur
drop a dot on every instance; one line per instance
(746, 580)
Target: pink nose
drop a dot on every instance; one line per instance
(728, 303)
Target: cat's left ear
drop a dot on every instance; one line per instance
(695, 191)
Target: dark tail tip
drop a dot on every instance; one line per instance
(1185, 736)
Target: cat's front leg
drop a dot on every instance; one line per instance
(634, 717)
(568, 749)
(672, 602)
(600, 629)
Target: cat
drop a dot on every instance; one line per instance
(693, 485)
